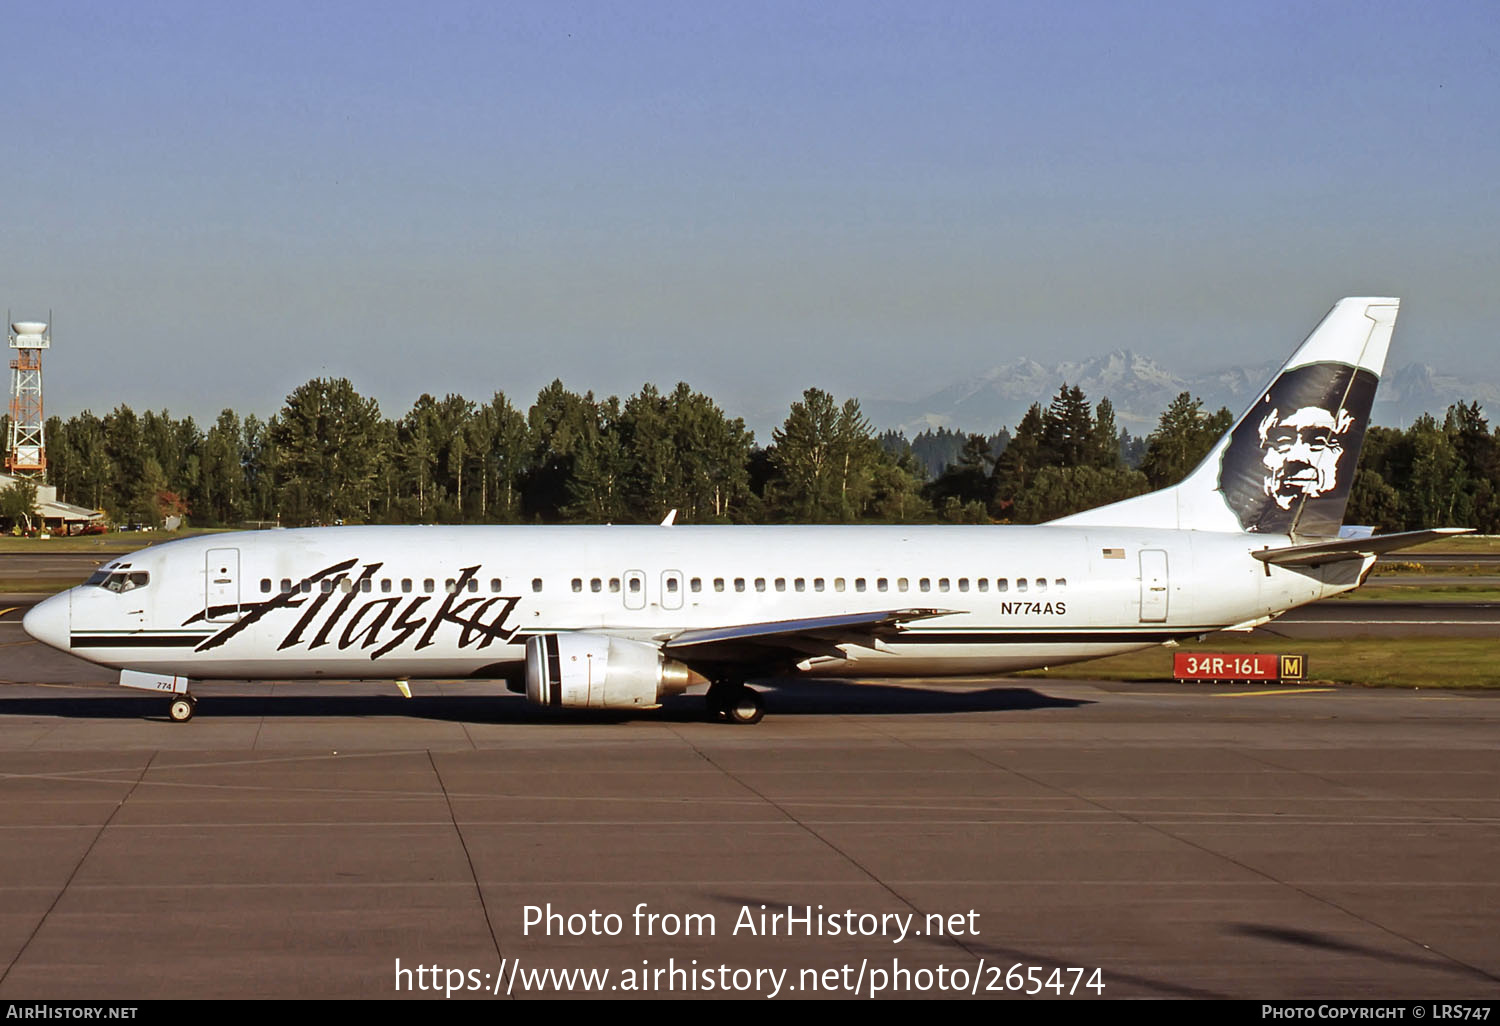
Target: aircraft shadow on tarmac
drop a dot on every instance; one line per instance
(812, 697)
(1323, 942)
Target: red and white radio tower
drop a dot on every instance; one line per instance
(26, 448)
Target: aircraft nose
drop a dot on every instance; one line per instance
(48, 621)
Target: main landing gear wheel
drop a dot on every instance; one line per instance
(181, 709)
(735, 703)
(746, 708)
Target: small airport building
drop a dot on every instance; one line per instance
(57, 517)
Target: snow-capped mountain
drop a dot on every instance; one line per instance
(1140, 389)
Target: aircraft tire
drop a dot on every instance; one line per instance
(719, 698)
(746, 708)
(181, 709)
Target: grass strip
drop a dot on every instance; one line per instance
(1367, 662)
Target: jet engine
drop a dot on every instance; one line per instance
(594, 671)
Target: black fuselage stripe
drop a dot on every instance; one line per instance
(1044, 637)
(554, 661)
(137, 640)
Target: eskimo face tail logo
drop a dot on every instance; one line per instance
(1301, 452)
(1290, 462)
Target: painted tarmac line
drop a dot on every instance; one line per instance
(1420, 623)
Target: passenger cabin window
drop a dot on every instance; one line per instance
(265, 586)
(760, 584)
(405, 585)
(696, 585)
(596, 585)
(984, 584)
(882, 584)
(1060, 583)
(925, 584)
(494, 585)
(718, 584)
(450, 587)
(286, 585)
(536, 584)
(739, 584)
(781, 584)
(671, 586)
(614, 585)
(963, 584)
(942, 584)
(427, 585)
(578, 584)
(838, 584)
(1020, 584)
(901, 584)
(635, 586)
(1001, 584)
(385, 585)
(1041, 584)
(801, 584)
(818, 584)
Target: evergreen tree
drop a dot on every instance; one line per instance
(258, 451)
(1058, 491)
(1067, 428)
(327, 438)
(1021, 459)
(1182, 438)
(560, 424)
(220, 496)
(1104, 437)
(499, 441)
(968, 480)
(599, 483)
(825, 459)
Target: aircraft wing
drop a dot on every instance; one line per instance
(1317, 553)
(779, 640)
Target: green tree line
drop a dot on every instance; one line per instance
(329, 456)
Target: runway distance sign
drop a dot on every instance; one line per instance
(1213, 666)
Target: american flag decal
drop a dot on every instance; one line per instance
(1114, 553)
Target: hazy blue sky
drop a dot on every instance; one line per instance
(219, 202)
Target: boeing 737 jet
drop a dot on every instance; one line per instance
(617, 617)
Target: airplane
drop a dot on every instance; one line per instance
(619, 617)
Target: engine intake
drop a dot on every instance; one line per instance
(595, 671)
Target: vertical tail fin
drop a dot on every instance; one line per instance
(1287, 464)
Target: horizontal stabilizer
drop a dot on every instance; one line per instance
(1315, 553)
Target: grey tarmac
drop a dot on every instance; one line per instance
(295, 840)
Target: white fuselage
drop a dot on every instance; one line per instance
(441, 602)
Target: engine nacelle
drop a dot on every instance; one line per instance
(595, 671)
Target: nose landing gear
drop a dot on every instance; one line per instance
(181, 709)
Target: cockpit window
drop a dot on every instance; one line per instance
(119, 580)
